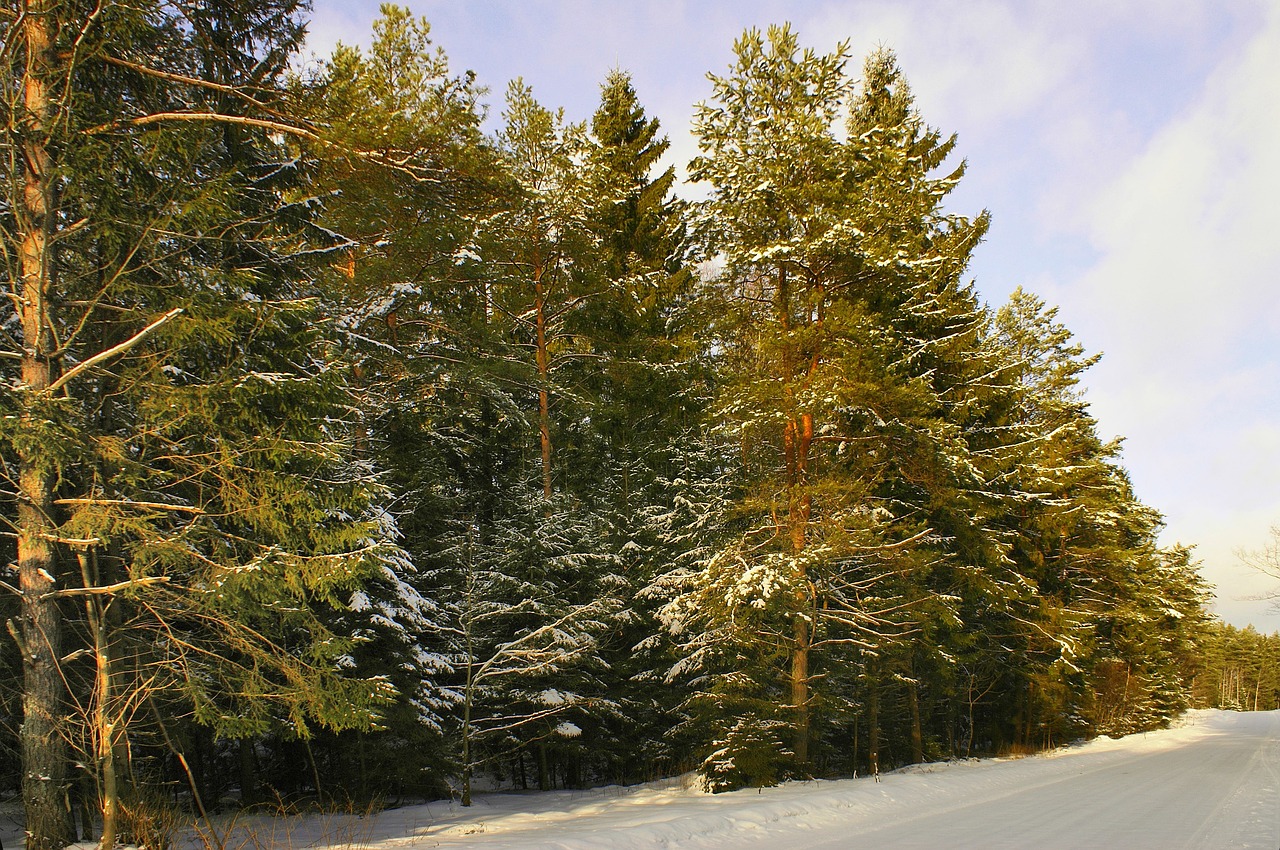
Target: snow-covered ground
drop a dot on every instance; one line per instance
(1212, 782)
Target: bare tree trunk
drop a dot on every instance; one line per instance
(800, 687)
(468, 696)
(105, 727)
(968, 746)
(248, 780)
(796, 439)
(855, 745)
(801, 437)
(44, 752)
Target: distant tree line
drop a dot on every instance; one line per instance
(1236, 669)
(351, 453)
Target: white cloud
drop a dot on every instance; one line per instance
(972, 65)
(1184, 297)
(1187, 233)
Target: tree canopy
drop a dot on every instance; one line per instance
(340, 433)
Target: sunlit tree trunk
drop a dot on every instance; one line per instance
(43, 748)
(104, 721)
(543, 359)
(797, 441)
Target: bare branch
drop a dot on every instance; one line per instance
(109, 589)
(209, 117)
(160, 506)
(191, 81)
(111, 352)
(403, 163)
(72, 541)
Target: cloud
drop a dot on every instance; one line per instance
(1187, 232)
(1184, 295)
(973, 65)
(1184, 289)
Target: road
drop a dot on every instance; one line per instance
(1218, 790)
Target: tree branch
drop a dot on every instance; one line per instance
(109, 589)
(183, 78)
(160, 506)
(383, 158)
(212, 117)
(111, 352)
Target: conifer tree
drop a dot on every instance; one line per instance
(1081, 539)
(415, 314)
(635, 391)
(178, 424)
(838, 257)
(533, 550)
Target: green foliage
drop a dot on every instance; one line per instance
(1233, 668)
(199, 429)
(420, 454)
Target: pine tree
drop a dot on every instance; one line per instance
(840, 265)
(532, 548)
(179, 418)
(415, 314)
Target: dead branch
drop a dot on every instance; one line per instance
(111, 352)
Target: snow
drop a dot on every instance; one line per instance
(1212, 782)
(551, 697)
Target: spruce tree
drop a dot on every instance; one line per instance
(635, 393)
(415, 320)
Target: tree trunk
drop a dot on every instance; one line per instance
(800, 686)
(873, 723)
(105, 726)
(468, 695)
(917, 734)
(248, 781)
(544, 376)
(796, 439)
(801, 437)
(854, 748)
(44, 752)
(88, 795)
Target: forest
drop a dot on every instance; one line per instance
(352, 452)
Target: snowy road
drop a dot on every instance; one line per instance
(1214, 782)
(1219, 790)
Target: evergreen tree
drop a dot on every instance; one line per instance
(1087, 546)
(636, 392)
(415, 317)
(533, 549)
(179, 418)
(1233, 668)
(845, 359)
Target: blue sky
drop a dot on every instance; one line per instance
(1126, 151)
